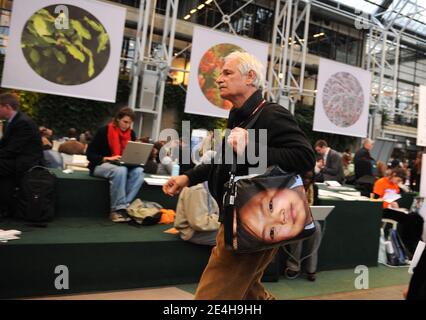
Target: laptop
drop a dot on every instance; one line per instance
(136, 154)
(321, 212)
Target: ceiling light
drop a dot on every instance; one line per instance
(319, 34)
(187, 17)
(201, 6)
(208, 1)
(193, 11)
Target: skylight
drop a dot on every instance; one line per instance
(369, 6)
(412, 17)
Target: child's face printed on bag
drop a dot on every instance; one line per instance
(274, 215)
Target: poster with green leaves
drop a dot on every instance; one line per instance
(69, 48)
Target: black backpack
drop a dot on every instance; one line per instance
(36, 195)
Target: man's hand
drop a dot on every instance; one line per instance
(319, 166)
(405, 293)
(175, 184)
(238, 140)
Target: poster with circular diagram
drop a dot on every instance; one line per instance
(69, 48)
(207, 59)
(343, 98)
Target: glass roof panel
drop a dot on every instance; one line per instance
(368, 6)
(412, 16)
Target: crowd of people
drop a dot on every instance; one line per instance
(362, 170)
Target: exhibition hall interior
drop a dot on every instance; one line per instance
(212, 149)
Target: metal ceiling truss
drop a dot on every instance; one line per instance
(289, 50)
(151, 64)
(285, 81)
(226, 20)
(383, 51)
(158, 61)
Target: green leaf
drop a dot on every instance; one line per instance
(60, 56)
(34, 56)
(88, 52)
(103, 40)
(95, 26)
(77, 54)
(48, 52)
(41, 27)
(49, 40)
(31, 29)
(91, 67)
(81, 30)
(28, 39)
(63, 41)
(46, 14)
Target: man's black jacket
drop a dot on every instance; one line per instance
(20, 147)
(287, 145)
(362, 163)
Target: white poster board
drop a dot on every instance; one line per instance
(343, 98)
(422, 193)
(208, 49)
(70, 48)
(421, 118)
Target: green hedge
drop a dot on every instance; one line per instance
(174, 97)
(305, 117)
(61, 113)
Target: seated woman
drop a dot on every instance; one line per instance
(387, 187)
(108, 146)
(410, 226)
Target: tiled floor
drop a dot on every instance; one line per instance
(173, 293)
(386, 293)
(166, 293)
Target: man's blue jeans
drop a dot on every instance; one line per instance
(124, 183)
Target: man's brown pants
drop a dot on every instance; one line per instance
(231, 276)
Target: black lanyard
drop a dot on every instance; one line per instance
(253, 113)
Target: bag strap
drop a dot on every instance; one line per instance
(251, 122)
(229, 201)
(209, 201)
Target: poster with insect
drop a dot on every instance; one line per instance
(69, 48)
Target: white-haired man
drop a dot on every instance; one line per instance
(229, 275)
(364, 163)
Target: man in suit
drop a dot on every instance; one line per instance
(20, 147)
(333, 166)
